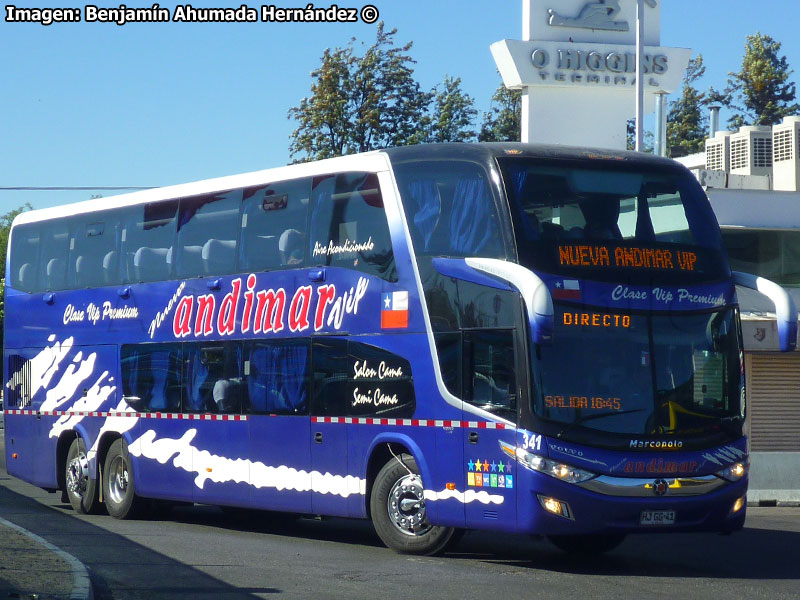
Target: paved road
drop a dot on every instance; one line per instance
(200, 552)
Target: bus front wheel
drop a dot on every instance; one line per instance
(397, 507)
(81, 488)
(587, 544)
(118, 485)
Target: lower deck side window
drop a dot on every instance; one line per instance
(267, 377)
(361, 380)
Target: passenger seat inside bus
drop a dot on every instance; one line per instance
(110, 267)
(27, 277)
(88, 272)
(56, 274)
(150, 264)
(219, 256)
(290, 246)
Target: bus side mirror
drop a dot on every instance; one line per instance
(785, 310)
(538, 302)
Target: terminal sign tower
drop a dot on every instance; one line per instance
(576, 66)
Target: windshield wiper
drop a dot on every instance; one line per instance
(596, 416)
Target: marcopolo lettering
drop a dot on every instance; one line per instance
(656, 444)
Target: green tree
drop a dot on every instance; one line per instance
(687, 123)
(360, 103)
(503, 122)
(648, 140)
(452, 115)
(761, 93)
(5, 228)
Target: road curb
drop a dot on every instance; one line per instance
(81, 584)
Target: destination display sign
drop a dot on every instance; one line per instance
(593, 319)
(602, 256)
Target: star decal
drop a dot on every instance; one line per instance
(486, 465)
(471, 465)
(494, 467)
(558, 284)
(388, 302)
(501, 467)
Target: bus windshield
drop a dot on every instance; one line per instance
(670, 374)
(608, 223)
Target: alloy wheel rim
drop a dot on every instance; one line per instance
(406, 506)
(118, 479)
(78, 475)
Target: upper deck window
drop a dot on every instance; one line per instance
(274, 221)
(94, 261)
(450, 209)
(147, 239)
(55, 244)
(208, 232)
(24, 271)
(348, 225)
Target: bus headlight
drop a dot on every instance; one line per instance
(734, 472)
(549, 467)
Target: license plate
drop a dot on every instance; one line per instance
(657, 517)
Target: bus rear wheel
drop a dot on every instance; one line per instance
(587, 544)
(118, 485)
(397, 507)
(81, 488)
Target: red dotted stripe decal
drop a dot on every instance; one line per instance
(413, 422)
(153, 415)
(213, 417)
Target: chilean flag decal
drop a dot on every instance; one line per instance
(568, 289)
(394, 310)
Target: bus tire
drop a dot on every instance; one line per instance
(587, 544)
(397, 507)
(119, 489)
(80, 487)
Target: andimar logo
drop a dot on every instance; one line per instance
(248, 309)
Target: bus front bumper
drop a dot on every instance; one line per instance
(554, 507)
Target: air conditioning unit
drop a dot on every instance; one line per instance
(786, 155)
(751, 151)
(718, 151)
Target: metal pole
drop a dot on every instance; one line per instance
(714, 124)
(660, 141)
(639, 74)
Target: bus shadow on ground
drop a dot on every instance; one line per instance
(749, 554)
(118, 567)
(752, 553)
(337, 530)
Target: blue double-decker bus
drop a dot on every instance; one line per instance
(530, 339)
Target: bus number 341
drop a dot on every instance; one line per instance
(531, 441)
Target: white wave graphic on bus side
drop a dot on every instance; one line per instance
(467, 497)
(74, 375)
(95, 397)
(220, 469)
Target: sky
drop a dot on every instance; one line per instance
(96, 104)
